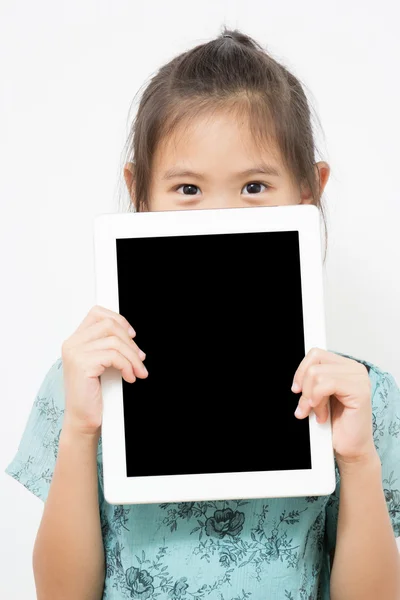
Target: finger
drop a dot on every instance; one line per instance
(114, 342)
(314, 356)
(98, 313)
(347, 382)
(104, 327)
(323, 414)
(113, 327)
(110, 357)
(320, 407)
(319, 383)
(305, 407)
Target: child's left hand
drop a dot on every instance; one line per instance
(322, 375)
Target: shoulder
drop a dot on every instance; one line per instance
(385, 404)
(34, 459)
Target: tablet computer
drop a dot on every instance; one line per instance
(225, 304)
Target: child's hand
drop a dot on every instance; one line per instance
(322, 375)
(102, 340)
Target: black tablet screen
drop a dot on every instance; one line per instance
(220, 319)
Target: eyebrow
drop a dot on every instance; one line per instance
(260, 168)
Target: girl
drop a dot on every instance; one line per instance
(222, 125)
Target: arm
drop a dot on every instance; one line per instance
(332, 553)
(68, 556)
(366, 563)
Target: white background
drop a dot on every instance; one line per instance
(68, 74)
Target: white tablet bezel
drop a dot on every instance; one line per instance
(120, 489)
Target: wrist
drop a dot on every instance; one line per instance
(72, 431)
(370, 460)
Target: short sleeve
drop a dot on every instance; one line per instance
(385, 402)
(331, 514)
(386, 428)
(34, 462)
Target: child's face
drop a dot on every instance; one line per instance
(212, 155)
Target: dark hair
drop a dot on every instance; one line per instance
(234, 73)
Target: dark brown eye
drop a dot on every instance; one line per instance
(254, 187)
(189, 189)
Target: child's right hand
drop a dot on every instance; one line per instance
(102, 340)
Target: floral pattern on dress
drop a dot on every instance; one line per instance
(266, 549)
(221, 542)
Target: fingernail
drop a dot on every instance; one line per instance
(131, 331)
(298, 412)
(295, 387)
(145, 370)
(142, 355)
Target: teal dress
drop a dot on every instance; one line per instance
(264, 549)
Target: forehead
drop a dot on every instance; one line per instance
(215, 139)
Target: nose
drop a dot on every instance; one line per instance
(225, 201)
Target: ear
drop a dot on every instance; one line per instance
(129, 176)
(322, 171)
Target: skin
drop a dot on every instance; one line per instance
(68, 558)
(220, 156)
(216, 151)
(217, 161)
